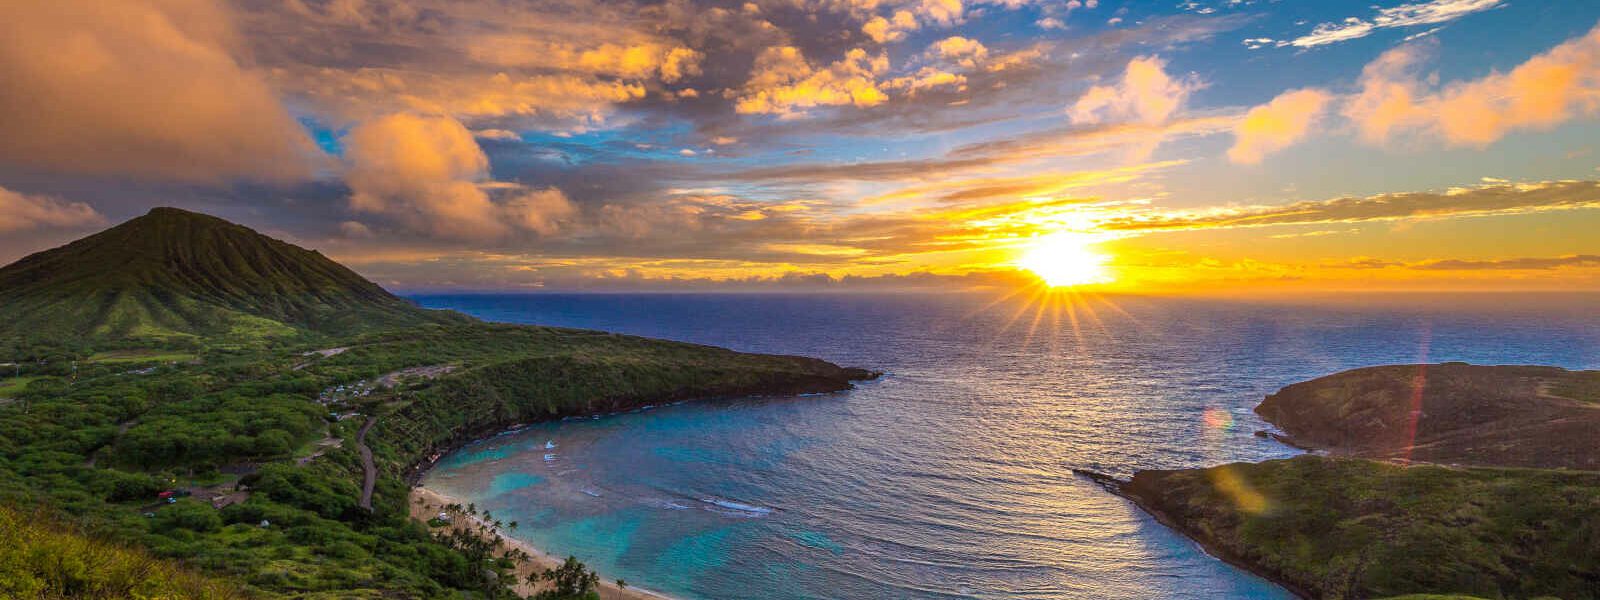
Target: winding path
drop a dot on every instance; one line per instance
(369, 468)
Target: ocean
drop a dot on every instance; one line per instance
(950, 477)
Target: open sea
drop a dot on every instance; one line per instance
(951, 477)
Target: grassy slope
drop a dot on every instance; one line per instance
(42, 559)
(1350, 528)
(173, 275)
(1452, 413)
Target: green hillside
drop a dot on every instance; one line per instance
(43, 559)
(281, 464)
(173, 274)
(1353, 528)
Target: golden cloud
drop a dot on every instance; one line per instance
(143, 88)
(428, 174)
(1491, 199)
(1276, 125)
(372, 92)
(1145, 94)
(1545, 91)
(784, 83)
(662, 60)
(963, 51)
(890, 29)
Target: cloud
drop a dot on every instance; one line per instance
(489, 63)
(144, 88)
(541, 211)
(1429, 12)
(1395, 100)
(355, 229)
(942, 12)
(1146, 94)
(645, 60)
(1545, 91)
(1276, 125)
(428, 174)
(1036, 146)
(22, 212)
(1512, 264)
(966, 52)
(497, 134)
(784, 83)
(1492, 199)
(550, 100)
(1038, 187)
(891, 29)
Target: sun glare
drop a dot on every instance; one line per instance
(1065, 259)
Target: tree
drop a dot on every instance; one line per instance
(570, 581)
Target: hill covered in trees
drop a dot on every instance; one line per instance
(174, 276)
(276, 463)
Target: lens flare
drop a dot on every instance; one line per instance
(1065, 260)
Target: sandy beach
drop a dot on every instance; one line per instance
(431, 505)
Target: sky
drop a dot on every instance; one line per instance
(1207, 146)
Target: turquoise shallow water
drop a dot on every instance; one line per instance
(951, 476)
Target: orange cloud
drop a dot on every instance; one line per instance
(942, 12)
(540, 211)
(1545, 91)
(1483, 200)
(21, 212)
(642, 60)
(144, 88)
(784, 83)
(963, 51)
(1146, 94)
(428, 174)
(372, 92)
(890, 29)
(1276, 125)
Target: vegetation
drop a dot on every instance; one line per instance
(41, 558)
(189, 387)
(569, 581)
(173, 276)
(1450, 413)
(1353, 528)
(141, 356)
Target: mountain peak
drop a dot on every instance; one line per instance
(172, 212)
(173, 272)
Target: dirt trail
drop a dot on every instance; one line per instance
(325, 353)
(323, 446)
(368, 466)
(121, 429)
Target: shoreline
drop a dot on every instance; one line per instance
(419, 468)
(431, 502)
(1118, 488)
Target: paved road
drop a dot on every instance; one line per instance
(369, 467)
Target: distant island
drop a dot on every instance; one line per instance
(190, 409)
(1453, 479)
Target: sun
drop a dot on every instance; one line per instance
(1065, 259)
